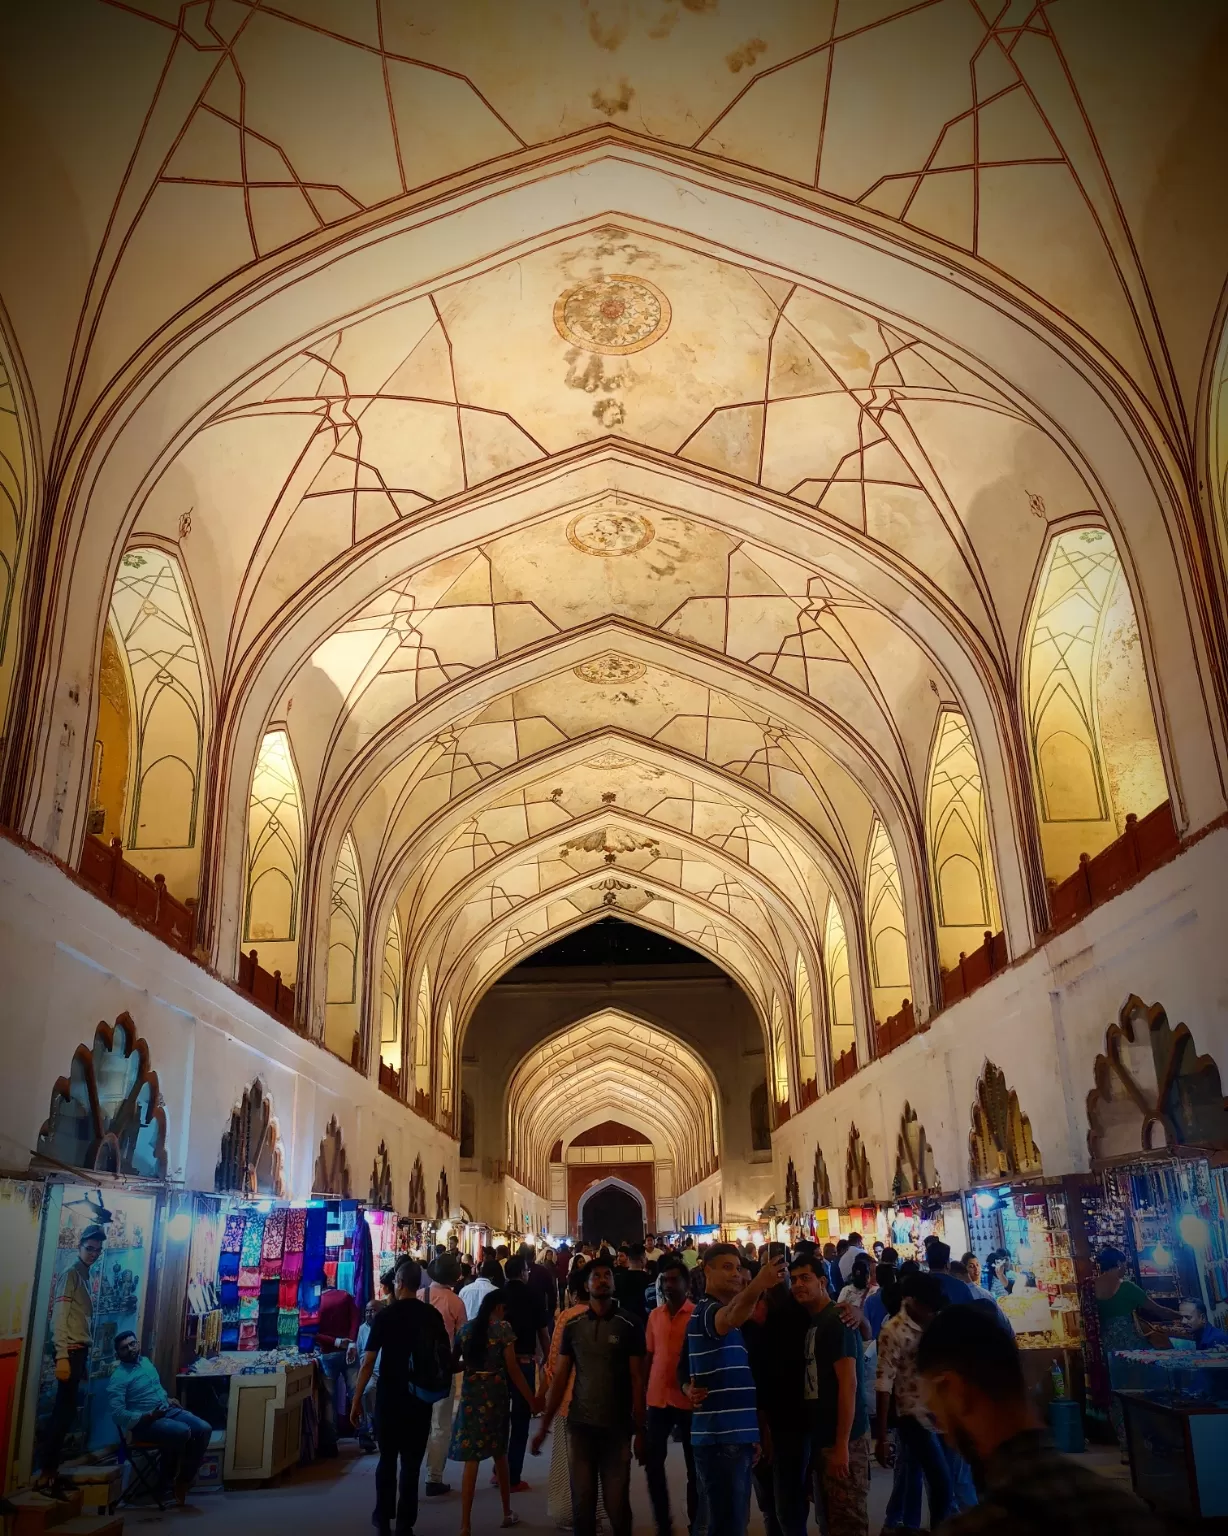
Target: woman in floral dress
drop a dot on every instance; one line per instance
(487, 1354)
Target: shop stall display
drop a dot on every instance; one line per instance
(1021, 1238)
(1175, 1404)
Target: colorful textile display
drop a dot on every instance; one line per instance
(296, 1227)
(228, 1266)
(253, 1240)
(273, 1245)
(232, 1238)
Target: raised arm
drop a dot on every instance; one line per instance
(734, 1313)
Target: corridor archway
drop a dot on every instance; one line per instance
(612, 1211)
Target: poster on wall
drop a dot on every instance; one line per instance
(118, 1284)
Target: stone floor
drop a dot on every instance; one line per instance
(336, 1497)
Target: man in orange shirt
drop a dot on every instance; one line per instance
(669, 1411)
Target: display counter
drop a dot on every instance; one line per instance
(1175, 1404)
(264, 1422)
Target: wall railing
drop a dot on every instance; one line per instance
(130, 891)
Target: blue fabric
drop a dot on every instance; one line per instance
(133, 1391)
(875, 1312)
(1212, 1338)
(955, 1290)
(228, 1266)
(904, 1505)
(719, 1362)
(723, 1473)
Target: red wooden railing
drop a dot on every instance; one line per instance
(128, 890)
(809, 1093)
(845, 1065)
(390, 1079)
(894, 1031)
(265, 988)
(1142, 847)
(974, 970)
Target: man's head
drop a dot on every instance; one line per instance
(514, 1268)
(600, 1280)
(622, 1259)
(938, 1257)
(635, 1255)
(972, 1268)
(854, 1240)
(972, 1379)
(503, 1253)
(447, 1270)
(126, 1347)
(528, 1253)
(408, 1278)
(842, 1247)
(371, 1311)
(675, 1280)
(723, 1277)
(492, 1270)
(388, 1282)
(830, 1251)
(921, 1295)
(89, 1249)
(1193, 1315)
(878, 1250)
(809, 1283)
(959, 1269)
(889, 1256)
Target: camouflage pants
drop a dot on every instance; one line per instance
(841, 1504)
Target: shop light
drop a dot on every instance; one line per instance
(1194, 1231)
(179, 1228)
(1161, 1257)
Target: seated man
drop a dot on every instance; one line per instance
(142, 1410)
(1199, 1327)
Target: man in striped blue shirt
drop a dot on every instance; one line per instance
(725, 1424)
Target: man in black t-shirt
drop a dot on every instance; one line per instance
(631, 1284)
(402, 1420)
(604, 1349)
(524, 1309)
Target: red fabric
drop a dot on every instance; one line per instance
(664, 1337)
(338, 1320)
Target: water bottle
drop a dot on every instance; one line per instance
(1058, 1377)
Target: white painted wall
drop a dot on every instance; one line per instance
(69, 961)
(1043, 1023)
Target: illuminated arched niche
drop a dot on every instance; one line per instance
(1087, 711)
(839, 982)
(392, 983)
(885, 931)
(422, 1034)
(274, 857)
(147, 769)
(343, 1001)
(957, 840)
(780, 1054)
(446, 1033)
(803, 1004)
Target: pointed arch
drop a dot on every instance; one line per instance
(446, 1033)
(342, 1008)
(1091, 732)
(422, 1034)
(885, 928)
(841, 1027)
(780, 1055)
(17, 495)
(392, 984)
(803, 1014)
(274, 856)
(957, 841)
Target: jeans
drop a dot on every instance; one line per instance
(963, 1489)
(63, 1411)
(441, 1434)
(925, 1452)
(723, 1475)
(182, 1439)
(401, 1432)
(781, 1489)
(662, 1422)
(904, 1504)
(342, 1379)
(522, 1412)
(605, 1454)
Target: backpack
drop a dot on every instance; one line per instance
(430, 1359)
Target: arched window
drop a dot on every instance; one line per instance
(839, 981)
(392, 981)
(445, 1067)
(1090, 728)
(780, 1054)
(274, 856)
(885, 931)
(151, 721)
(422, 1034)
(342, 1010)
(957, 834)
(803, 1005)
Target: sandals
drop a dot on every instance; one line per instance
(509, 1520)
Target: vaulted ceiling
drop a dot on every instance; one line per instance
(603, 441)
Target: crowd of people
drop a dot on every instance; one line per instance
(782, 1375)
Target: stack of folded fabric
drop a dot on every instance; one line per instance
(228, 1275)
(249, 1280)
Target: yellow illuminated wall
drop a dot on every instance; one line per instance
(274, 857)
(888, 945)
(392, 982)
(343, 1005)
(839, 981)
(957, 836)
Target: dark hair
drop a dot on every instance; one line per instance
(938, 1255)
(722, 1251)
(478, 1337)
(815, 1266)
(447, 1269)
(854, 1238)
(93, 1234)
(388, 1280)
(124, 1333)
(959, 1269)
(673, 1263)
(969, 1341)
(842, 1247)
(492, 1270)
(635, 1250)
(514, 1268)
(502, 1251)
(527, 1252)
(889, 1256)
(577, 1281)
(889, 1287)
(409, 1274)
(597, 1263)
(861, 1266)
(1107, 1258)
(923, 1287)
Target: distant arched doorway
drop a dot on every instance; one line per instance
(612, 1209)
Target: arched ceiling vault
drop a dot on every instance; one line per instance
(620, 1066)
(748, 227)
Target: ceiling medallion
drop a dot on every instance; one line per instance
(613, 315)
(610, 532)
(610, 668)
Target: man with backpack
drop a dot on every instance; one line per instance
(415, 1373)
